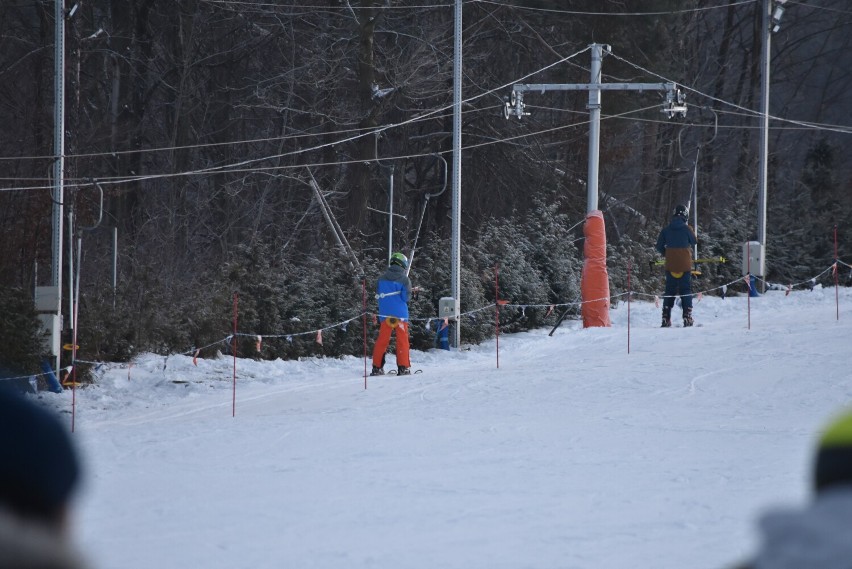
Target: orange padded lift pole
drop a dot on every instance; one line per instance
(595, 282)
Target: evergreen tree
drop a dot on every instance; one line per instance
(22, 338)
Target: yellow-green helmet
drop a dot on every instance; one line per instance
(399, 259)
(833, 464)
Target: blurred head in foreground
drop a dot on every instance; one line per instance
(39, 473)
(817, 535)
(833, 462)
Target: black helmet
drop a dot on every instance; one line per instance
(681, 211)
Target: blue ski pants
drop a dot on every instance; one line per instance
(678, 286)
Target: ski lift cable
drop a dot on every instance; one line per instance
(693, 190)
(100, 209)
(423, 213)
(339, 236)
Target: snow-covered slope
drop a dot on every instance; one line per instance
(573, 453)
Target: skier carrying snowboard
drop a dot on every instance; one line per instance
(675, 242)
(392, 293)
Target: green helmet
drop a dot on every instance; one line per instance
(833, 464)
(399, 259)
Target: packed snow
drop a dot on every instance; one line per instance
(573, 453)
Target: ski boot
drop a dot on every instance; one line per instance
(402, 370)
(667, 317)
(377, 371)
(687, 317)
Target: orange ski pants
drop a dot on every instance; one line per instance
(388, 326)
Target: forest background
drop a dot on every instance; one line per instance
(206, 122)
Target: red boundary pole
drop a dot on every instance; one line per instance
(836, 278)
(748, 281)
(234, 345)
(497, 309)
(628, 305)
(74, 370)
(364, 310)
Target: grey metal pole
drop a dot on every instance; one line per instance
(764, 127)
(594, 128)
(114, 263)
(695, 200)
(455, 275)
(71, 295)
(390, 215)
(58, 167)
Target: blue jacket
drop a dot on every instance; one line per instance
(392, 293)
(675, 242)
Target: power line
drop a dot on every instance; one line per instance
(237, 169)
(242, 4)
(581, 13)
(195, 146)
(823, 8)
(346, 7)
(429, 114)
(240, 167)
(747, 112)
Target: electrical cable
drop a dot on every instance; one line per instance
(372, 131)
(236, 167)
(843, 129)
(581, 13)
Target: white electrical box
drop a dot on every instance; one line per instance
(753, 261)
(52, 323)
(47, 299)
(448, 307)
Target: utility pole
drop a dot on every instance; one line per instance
(674, 106)
(390, 212)
(594, 107)
(455, 273)
(770, 23)
(49, 299)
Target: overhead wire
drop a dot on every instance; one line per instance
(389, 7)
(260, 169)
(586, 13)
(187, 146)
(746, 111)
(308, 6)
(363, 132)
(235, 167)
(360, 132)
(815, 7)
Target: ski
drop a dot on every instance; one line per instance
(394, 372)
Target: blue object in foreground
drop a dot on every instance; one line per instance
(442, 335)
(752, 286)
(52, 383)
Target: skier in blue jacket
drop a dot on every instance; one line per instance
(675, 242)
(392, 292)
